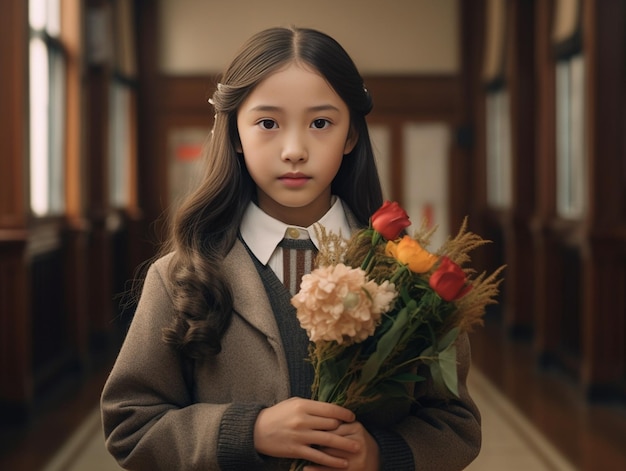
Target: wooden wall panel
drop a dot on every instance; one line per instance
(519, 302)
(16, 383)
(545, 248)
(603, 311)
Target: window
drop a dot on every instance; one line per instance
(119, 16)
(497, 114)
(47, 115)
(499, 177)
(570, 138)
(120, 143)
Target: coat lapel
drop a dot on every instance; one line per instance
(250, 298)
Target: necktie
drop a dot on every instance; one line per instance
(298, 258)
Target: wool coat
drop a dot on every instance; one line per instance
(163, 411)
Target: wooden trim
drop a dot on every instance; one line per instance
(464, 193)
(98, 142)
(545, 123)
(186, 94)
(397, 163)
(72, 39)
(435, 98)
(416, 97)
(150, 154)
(14, 33)
(520, 74)
(495, 53)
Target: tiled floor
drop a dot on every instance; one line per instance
(511, 443)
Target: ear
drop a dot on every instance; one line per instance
(237, 145)
(351, 140)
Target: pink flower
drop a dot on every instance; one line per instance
(339, 303)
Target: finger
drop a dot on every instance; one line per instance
(322, 409)
(323, 460)
(347, 429)
(324, 424)
(325, 440)
(325, 409)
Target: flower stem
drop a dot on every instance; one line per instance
(399, 272)
(367, 261)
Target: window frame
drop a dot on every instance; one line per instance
(47, 196)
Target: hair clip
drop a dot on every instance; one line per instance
(211, 101)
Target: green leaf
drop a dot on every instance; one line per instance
(331, 372)
(443, 366)
(447, 364)
(385, 346)
(407, 378)
(449, 338)
(444, 342)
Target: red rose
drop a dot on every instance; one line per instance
(390, 220)
(449, 280)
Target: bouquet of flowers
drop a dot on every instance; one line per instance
(379, 304)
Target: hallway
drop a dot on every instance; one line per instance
(538, 424)
(508, 112)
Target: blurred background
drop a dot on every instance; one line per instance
(512, 112)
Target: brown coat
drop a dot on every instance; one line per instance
(161, 411)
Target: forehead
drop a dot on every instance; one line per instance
(293, 84)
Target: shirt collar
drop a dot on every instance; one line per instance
(262, 233)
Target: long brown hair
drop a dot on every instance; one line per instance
(206, 225)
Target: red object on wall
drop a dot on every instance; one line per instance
(428, 214)
(188, 152)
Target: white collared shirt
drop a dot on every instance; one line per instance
(262, 233)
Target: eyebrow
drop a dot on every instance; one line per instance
(317, 108)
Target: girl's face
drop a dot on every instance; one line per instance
(294, 132)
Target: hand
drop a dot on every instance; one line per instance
(302, 428)
(366, 458)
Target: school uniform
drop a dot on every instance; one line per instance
(163, 411)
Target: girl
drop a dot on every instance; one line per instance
(213, 373)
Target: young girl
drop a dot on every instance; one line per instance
(213, 373)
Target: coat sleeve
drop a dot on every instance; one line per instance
(149, 416)
(444, 432)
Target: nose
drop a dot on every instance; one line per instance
(294, 147)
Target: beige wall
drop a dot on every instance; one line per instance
(382, 36)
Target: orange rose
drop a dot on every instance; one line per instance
(390, 220)
(409, 252)
(449, 280)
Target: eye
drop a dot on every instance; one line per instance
(320, 123)
(268, 124)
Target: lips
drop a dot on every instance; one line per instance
(295, 179)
